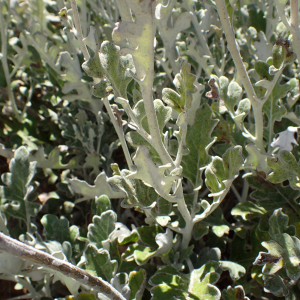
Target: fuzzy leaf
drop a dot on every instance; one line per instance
(93, 67)
(16, 193)
(163, 114)
(285, 251)
(262, 69)
(184, 83)
(137, 282)
(231, 93)
(152, 175)
(169, 31)
(248, 210)
(197, 285)
(273, 109)
(101, 205)
(101, 228)
(256, 159)
(198, 141)
(285, 167)
(285, 139)
(53, 161)
(270, 196)
(56, 229)
(275, 284)
(98, 263)
(116, 68)
(148, 234)
(199, 230)
(278, 223)
(221, 172)
(236, 293)
(135, 38)
(68, 281)
(101, 187)
(138, 194)
(236, 271)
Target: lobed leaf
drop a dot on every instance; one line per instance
(17, 191)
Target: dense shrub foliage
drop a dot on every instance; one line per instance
(149, 149)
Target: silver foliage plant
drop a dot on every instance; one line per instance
(202, 97)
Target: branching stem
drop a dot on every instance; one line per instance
(24, 251)
(79, 31)
(120, 133)
(236, 56)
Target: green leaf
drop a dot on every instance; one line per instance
(285, 251)
(244, 250)
(256, 159)
(101, 187)
(278, 223)
(93, 67)
(85, 296)
(262, 69)
(236, 271)
(278, 54)
(163, 114)
(142, 254)
(206, 255)
(102, 227)
(236, 293)
(276, 285)
(99, 264)
(138, 194)
(271, 196)
(200, 230)
(248, 210)
(56, 229)
(220, 230)
(116, 68)
(152, 175)
(184, 83)
(272, 108)
(220, 173)
(17, 191)
(231, 93)
(148, 234)
(201, 281)
(101, 205)
(285, 167)
(198, 141)
(137, 282)
(198, 285)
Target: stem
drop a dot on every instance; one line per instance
(238, 196)
(120, 133)
(146, 89)
(124, 11)
(181, 144)
(79, 31)
(295, 27)
(4, 28)
(130, 114)
(245, 191)
(202, 40)
(236, 56)
(119, 130)
(24, 251)
(30, 93)
(213, 206)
